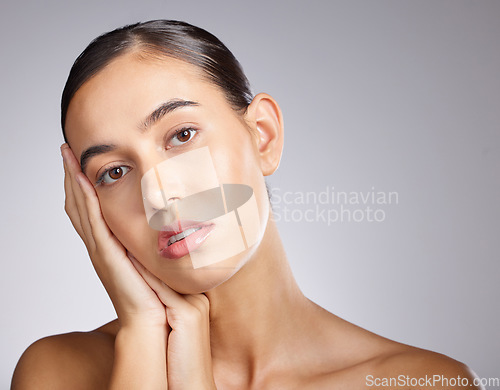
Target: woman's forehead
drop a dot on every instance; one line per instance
(129, 88)
(128, 82)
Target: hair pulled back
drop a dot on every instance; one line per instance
(169, 38)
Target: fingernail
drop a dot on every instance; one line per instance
(64, 147)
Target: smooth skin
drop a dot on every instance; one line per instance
(246, 325)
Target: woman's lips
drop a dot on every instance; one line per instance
(197, 234)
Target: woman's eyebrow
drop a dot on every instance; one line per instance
(94, 151)
(164, 109)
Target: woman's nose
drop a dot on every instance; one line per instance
(174, 178)
(153, 193)
(156, 194)
(152, 196)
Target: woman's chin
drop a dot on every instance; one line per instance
(198, 280)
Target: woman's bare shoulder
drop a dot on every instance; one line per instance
(76, 360)
(362, 359)
(393, 365)
(412, 369)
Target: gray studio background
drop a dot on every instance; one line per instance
(383, 96)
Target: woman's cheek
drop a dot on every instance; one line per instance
(234, 162)
(111, 214)
(120, 215)
(242, 166)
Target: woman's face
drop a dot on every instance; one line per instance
(111, 109)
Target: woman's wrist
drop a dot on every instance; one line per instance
(140, 357)
(143, 329)
(140, 323)
(151, 338)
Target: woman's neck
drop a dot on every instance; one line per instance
(257, 309)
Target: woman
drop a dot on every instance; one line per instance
(165, 162)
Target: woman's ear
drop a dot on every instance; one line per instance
(265, 118)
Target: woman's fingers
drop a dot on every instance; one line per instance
(78, 198)
(98, 227)
(92, 221)
(190, 306)
(168, 296)
(70, 204)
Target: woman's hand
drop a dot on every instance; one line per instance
(134, 301)
(189, 360)
(148, 310)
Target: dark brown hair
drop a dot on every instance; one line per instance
(168, 38)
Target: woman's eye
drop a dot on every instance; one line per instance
(182, 136)
(113, 174)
